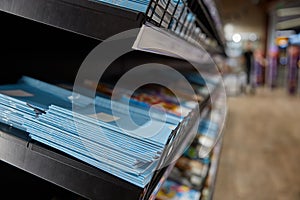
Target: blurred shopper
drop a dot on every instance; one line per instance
(272, 65)
(248, 60)
(259, 68)
(293, 61)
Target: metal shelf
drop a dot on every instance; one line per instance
(99, 21)
(86, 17)
(210, 183)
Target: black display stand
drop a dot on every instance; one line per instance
(48, 40)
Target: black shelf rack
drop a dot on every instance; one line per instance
(96, 21)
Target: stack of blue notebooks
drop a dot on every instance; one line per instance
(87, 128)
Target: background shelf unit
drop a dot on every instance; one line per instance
(212, 20)
(187, 181)
(208, 190)
(51, 38)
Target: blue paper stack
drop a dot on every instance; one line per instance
(87, 128)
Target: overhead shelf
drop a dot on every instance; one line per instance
(100, 20)
(89, 18)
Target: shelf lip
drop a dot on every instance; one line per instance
(159, 41)
(85, 17)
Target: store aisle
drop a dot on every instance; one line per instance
(261, 150)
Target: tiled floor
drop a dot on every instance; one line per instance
(260, 158)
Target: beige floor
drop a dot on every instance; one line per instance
(260, 157)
